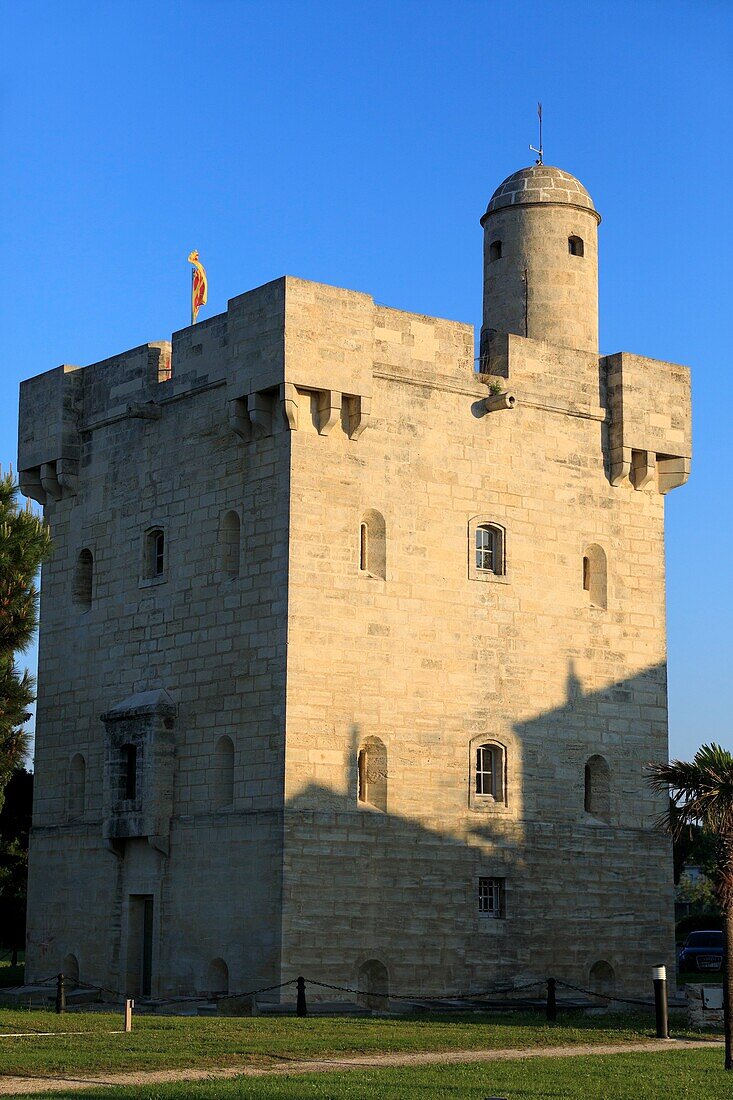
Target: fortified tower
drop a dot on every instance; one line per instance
(368, 648)
(541, 259)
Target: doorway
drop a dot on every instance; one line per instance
(140, 945)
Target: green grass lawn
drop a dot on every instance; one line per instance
(681, 1075)
(160, 1042)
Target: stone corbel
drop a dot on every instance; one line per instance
(359, 410)
(50, 481)
(289, 402)
(30, 485)
(673, 472)
(259, 407)
(238, 419)
(160, 843)
(67, 471)
(643, 469)
(620, 464)
(329, 411)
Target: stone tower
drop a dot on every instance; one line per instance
(541, 259)
(368, 658)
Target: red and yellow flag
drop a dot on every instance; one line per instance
(199, 285)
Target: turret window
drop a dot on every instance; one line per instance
(495, 251)
(576, 246)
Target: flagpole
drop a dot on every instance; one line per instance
(193, 276)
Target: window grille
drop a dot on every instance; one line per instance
(491, 897)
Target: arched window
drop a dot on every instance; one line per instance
(77, 786)
(230, 544)
(218, 977)
(595, 576)
(129, 772)
(576, 246)
(602, 979)
(373, 545)
(223, 774)
(488, 768)
(372, 766)
(70, 970)
(495, 251)
(373, 985)
(155, 553)
(489, 548)
(598, 788)
(84, 579)
(489, 778)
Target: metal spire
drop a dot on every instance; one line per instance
(539, 151)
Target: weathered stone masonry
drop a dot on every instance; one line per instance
(260, 705)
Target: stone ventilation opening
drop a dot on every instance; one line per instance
(598, 788)
(217, 980)
(373, 985)
(231, 544)
(373, 545)
(595, 576)
(223, 773)
(495, 251)
(70, 969)
(83, 579)
(77, 786)
(576, 246)
(602, 979)
(129, 772)
(372, 766)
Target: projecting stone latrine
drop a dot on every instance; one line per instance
(352, 657)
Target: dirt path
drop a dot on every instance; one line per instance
(28, 1086)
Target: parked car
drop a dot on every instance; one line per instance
(702, 953)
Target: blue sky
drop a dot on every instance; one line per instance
(357, 144)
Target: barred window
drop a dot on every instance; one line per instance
(491, 897)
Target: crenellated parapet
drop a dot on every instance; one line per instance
(650, 424)
(642, 405)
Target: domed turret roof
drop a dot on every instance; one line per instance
(541, 183)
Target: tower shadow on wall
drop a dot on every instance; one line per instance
(585, 883)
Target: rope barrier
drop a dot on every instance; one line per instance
(604, 996)
(464, 995)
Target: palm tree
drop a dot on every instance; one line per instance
(701, 793)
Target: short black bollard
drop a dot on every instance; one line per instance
(301, 1008)
(659, 976)
(14, 960)
(60, 994)
(551, 1001)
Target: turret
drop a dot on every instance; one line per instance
(541, 259)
